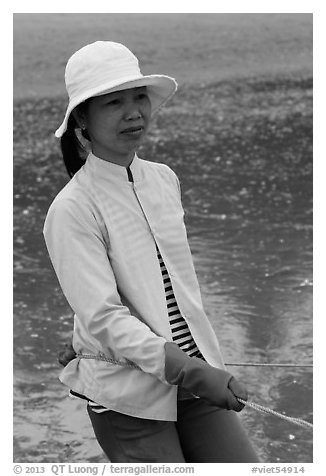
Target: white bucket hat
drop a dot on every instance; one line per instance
(104, 67)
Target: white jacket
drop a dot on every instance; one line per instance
(100, 232)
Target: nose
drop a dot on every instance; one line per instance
(132, 111)
(133, 115)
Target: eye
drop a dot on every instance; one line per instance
(142, 96)
(113, 102)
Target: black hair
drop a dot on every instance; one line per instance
(73, 150)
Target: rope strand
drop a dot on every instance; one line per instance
(107, 359)
(255, 406)
(260, 408)
(262, 364)
(230, 364)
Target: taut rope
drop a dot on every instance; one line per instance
(262, 364)
(255, 406)
(260, 408)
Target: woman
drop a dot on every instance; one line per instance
(148, 361)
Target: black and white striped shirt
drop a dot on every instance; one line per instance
(180, 331)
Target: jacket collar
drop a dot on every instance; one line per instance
(109, 170)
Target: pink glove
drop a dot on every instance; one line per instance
(216, 386)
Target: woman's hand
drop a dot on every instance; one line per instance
(65, 356)
(214, 385)
(238, 390)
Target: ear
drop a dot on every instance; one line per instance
(80, 117)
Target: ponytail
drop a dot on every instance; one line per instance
(73, 151)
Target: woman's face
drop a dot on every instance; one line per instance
(117, 122)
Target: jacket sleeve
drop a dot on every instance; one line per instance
(79, 257)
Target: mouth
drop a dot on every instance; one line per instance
(133, 131)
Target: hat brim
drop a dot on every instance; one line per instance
(160, 89)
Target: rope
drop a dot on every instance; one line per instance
(260, 408)
(107, 359)
(258, 364)
(234, 364)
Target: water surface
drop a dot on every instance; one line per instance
(244, 158)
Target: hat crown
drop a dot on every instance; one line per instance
(98, 62)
